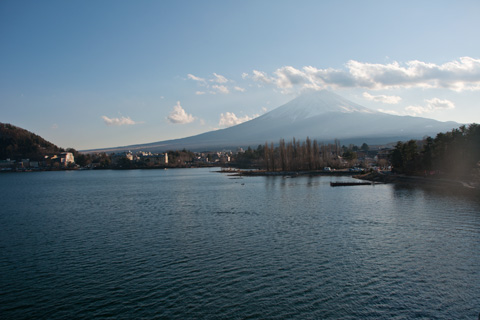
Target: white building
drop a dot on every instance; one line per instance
(66, 158)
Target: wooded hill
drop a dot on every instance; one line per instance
(456, 153)
(17, 143)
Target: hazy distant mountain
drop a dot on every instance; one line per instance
(320, 115)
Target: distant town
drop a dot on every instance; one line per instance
(74, 160)
(183, 159)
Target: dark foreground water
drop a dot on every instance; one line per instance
(194, 244)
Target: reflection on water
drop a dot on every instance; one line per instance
(197, 244)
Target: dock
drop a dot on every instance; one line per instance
(348, 184)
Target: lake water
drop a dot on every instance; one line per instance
(195, 244)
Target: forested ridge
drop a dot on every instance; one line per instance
(455, 153)
(17, 143)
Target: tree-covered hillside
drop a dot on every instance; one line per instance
(454, 153)
(17, 143)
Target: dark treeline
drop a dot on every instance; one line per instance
(455, 153)
(103, 160)
(297, 155)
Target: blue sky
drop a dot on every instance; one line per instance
(94, 74)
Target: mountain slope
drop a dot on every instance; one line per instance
(320, 115)
(17, 143)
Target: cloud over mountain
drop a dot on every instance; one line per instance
(230, 119)
(431, 106)
(458, 75)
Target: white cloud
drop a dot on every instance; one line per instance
(261, 77)
(195, 78)
(288, 76)
(239, 89)
(230, 119)
(179, 116)
(382, 98)
(457, 75)
(219, 78)
(212, 89)
(118, 121)
(431, 106)
(244, 75)
(221, 89)
(438, 104)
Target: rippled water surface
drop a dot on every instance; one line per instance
(192, 243)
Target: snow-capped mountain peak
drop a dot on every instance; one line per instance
(316, 103)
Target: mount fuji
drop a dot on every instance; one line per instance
(320, 115)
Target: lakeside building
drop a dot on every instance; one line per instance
(66, 158)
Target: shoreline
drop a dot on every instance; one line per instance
(102, 168)
(253, 173)
(443, 182)
(374, 177)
